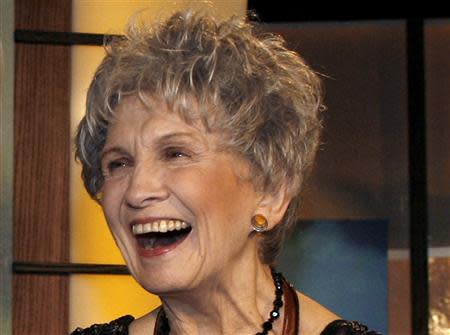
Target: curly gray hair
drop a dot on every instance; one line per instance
(261, 95)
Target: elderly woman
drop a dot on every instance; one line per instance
(197, 139)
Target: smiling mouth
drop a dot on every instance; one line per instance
(160, 236)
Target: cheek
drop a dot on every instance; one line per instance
(215, 195)
(202, 186)
(112, 197)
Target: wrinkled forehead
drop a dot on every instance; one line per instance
(134, 111)
(184, 107)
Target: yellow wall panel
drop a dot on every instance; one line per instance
(91, 241)
(115, 13)
(102, 298)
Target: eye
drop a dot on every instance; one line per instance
(116, 167)
(175, 153)
(117, 164)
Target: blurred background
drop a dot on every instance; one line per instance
(60, 267)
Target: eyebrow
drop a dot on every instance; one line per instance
(161, 140)
(118, 150)
(175, 136)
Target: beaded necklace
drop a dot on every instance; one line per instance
(163, 327)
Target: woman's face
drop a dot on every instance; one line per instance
(179, 208)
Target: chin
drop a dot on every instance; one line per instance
(168, 266)
(166, 281)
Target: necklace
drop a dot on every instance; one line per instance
(162, 326)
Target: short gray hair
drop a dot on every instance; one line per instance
(260, 95)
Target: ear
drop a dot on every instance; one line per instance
(273, 205)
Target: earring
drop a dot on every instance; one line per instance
(259, 223)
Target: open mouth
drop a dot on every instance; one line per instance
(160, 236)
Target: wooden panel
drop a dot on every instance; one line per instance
(41, 166)
(52, 15)
(399, 293)
(42, 153)
(42, 308)
(438, 122)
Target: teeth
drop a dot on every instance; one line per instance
(161, 226)
(171, 225)
(147, 228)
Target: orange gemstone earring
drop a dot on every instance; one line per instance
(259, 223)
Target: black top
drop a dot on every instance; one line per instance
(120, 327)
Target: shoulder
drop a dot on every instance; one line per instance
(313, 316)
(144, 323)
(316, 319)
(115, 327)
(344, 327)
(125, 325)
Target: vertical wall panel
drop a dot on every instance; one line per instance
(6, 161)
(437, 43)
(41, 178)
(40, 304)
(41, 148)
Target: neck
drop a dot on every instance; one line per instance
(238, 301)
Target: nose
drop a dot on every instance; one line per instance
(146, 186)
